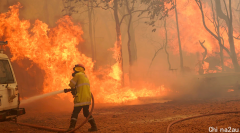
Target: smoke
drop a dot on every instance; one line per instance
(182, 86)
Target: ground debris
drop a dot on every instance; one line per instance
(144, 118)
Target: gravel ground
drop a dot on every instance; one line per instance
(144, 118)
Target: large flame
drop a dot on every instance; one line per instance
(116, 70)
(192, 31)
(55, 51)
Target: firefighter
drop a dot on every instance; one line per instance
(82, 97)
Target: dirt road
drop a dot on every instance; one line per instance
(147, 118)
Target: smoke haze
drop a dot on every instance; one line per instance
(147, 43)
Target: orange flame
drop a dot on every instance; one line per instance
(116, 70)
(192, 31)
(55, 51)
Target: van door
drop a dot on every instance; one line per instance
(8, 86)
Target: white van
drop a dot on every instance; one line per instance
(9, 96)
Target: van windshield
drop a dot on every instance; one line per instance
(6, 75)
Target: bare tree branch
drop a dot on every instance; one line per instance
(199, 3)
(97, 5)
(154, 57)
(238, 38)
(225, 29)
(220, 13)
(226, 9)
(139, 19)
(209, 19)
(238, 5)
(166, 43)
(129, 14)
(205, 53)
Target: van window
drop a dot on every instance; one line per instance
(6, 75)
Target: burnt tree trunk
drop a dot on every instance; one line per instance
(220, 39)
(220, 43)
(133, 47)
(90, 28)
(119, 41)
(94, 37)
(201, 71)
(199, 3)
(129, 41)
(231, 40)
(166, 43)
(179, 41)
(228, 19)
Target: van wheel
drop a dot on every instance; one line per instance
(14, 119)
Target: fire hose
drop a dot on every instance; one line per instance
(219, 113)
(61, 130)
(168, 128)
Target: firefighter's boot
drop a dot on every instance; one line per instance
(72, 124)
(93, 125)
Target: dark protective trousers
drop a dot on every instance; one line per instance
(77, 110)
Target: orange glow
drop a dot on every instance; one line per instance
(192, 31)
(55, 51)
(116, 69)
(230, 90)
(110, 2)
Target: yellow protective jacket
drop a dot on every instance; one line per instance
(81, 83)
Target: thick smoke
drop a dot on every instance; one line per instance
(148, 42)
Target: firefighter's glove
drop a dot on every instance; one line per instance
(66, 90)
(74, 92)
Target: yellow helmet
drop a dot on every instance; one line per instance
(79, 68)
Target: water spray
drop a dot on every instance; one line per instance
(55, 129)
(34, 98)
